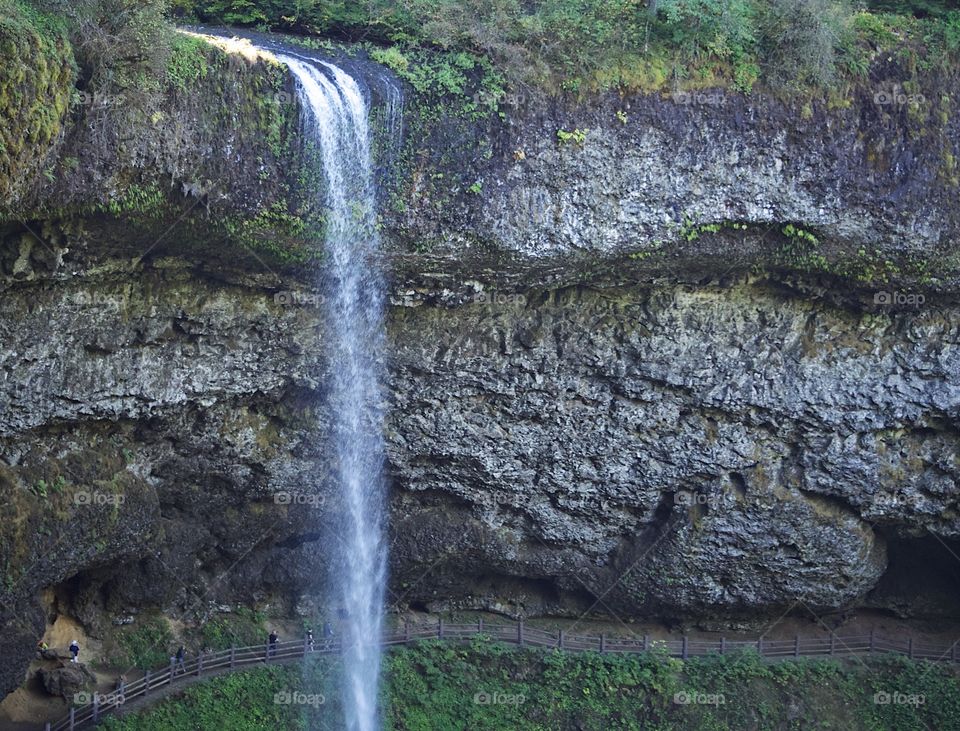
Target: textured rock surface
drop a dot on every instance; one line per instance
(67, 680)
(694, 443)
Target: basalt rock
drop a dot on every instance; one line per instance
(704, 366)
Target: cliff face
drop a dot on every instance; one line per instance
(645, 373)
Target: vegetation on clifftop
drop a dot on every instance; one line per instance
(627, 44)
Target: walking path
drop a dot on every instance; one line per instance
(156, 684)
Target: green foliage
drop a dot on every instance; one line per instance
(145, 644)
(142, 201)
(237, 702)
(466, 77)
(578, 136)
(800, 40)
(241, 628)
(799, 234)
(691, 232)
(189, 61)
(121, 45)
(484, 686)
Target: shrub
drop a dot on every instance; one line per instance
(800, 39)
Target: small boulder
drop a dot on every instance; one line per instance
(67, 680)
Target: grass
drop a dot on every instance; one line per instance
(440, 686)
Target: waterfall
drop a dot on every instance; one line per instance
(335, 117)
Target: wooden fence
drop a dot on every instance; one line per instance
(82, 716)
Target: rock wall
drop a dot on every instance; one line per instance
(645, 375)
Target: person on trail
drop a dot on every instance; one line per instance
(179, 658)
(74, 651)
(272, 642)
(121, 688)
(310, 645)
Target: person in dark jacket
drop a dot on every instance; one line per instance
(74, 651)
(272, 642)
(179, 658)
(310, 645)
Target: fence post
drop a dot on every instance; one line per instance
(267, 656)
(520, 632)
(646, 643)
(871, 640)
(833, 642)
(146, 682)
(796, 646)
(560, 638)
(603, 642)
(96, 707)
(683, 651)
(480, 626)
(73, 718)
(46, 726)
(173, 665)
(760, 646)
(440, 628)
(910, 648)
(233, 656)
(406, 631)
(199, 663)
(723, 645)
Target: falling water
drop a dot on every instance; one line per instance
(335, 116)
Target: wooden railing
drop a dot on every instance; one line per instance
(235, 658)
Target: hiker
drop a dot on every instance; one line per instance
(310, 645)
(327, 630)
(272, 642)
(74, 651)
(179, 660)
(121, 688)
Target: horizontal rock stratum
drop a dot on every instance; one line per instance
(703, 365)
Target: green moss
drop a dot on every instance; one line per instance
(36, 84)
(139, 201)
(278, 233)
(189, 61)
